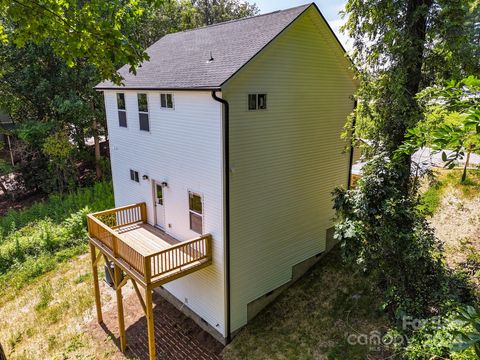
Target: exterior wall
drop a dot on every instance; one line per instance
(286, 160)
(183, 148)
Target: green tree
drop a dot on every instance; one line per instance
(46, 94)
(400, 47)
(178, 15)
(462, 137)
(74, 29)
(214, 11)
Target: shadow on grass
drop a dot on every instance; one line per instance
(320, 316)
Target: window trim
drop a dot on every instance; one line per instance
(173, 101)
(134, 176)
(143, 112)
(257, 95)
(190, 211)
(122, 110)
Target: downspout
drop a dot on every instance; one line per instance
(226, 167)
(352, 148)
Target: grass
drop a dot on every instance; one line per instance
(48, 319)
(47, 234)
(47, 316)
(447, 180)
(58, 207)
(313, 318)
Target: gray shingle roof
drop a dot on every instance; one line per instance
(180, 60)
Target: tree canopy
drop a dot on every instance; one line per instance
(48, 73)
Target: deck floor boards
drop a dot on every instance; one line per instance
(145, 238)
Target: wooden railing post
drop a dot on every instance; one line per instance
(143, 212)
(208, 245)
(148, 269)
(114, 245)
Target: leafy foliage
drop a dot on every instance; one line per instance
(434, 339)
(383, 232)
(52, 98)
(462, 137)
(58, 207)
(91, 30)
(33, 241)
(469, 317)
(401, 47)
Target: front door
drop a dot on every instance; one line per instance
(159, 205)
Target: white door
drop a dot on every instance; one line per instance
(159, 205)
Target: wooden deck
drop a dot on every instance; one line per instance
(145, 238)
(144, 254)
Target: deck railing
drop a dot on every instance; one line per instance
(102, 225)
(179, 256)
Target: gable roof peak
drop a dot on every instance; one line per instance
(181, 60)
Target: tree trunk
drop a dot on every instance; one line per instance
(10, 150)
(467, 161)
(96, 141)
(411, 63)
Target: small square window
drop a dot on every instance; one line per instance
(134, 176)
(195, 203)
(252, 101)
(196, 223)
(257, 101)
(166, 101)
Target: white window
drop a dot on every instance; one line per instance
(166, 101)
(257, 101)
(143, 112)
(122, 111)
(195, 206)
(134, 176)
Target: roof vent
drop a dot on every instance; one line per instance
(211, 58)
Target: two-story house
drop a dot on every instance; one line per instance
(227, 143)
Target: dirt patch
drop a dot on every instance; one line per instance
(457, 224)
(177, 336)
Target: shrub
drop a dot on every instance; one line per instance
(59, 207)
(436, 339)
(383, 232)
(33, 241)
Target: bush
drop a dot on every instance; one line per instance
(436, 339)
(36, 239)
(383, 232)
(59, 207)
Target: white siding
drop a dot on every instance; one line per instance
(286, 160)
(183, 148)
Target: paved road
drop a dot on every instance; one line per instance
(426, 159)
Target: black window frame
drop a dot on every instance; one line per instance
(143, 115)
(164, 101)
(254, 100)
(122, 110)
(134, 176)
(195, 215)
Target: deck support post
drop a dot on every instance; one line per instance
(96, 288)
(121, 319)
(150, 326)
